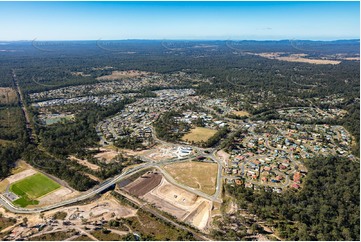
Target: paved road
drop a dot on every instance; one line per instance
(110, 182)
(187, 188)
(153, 211)
(218, 194)
(200, 151)
(103, 186)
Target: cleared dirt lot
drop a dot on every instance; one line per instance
(116, 75)
(144, 184)
(60, 194)
(180, 203)
(92, 177)
(241, 113)
(106, 207)
(3, 185)
(199, 134)
(161, 152)
(7, 95)
(310, 61)
(296, 58)
(184, 205)
(199, 217)
(166, 206)
(199, 175)
(175, 195)
(85, 163)
(21, 175)
(351, 58)
(106, 155)
(21, 166)
(224, 156)
(79, 73)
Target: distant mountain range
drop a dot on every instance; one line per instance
(344, 46)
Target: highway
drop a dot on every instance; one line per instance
(216, 197)
(105, 185)
(110, 182)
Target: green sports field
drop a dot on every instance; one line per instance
(31, 188)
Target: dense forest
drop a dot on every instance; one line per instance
(71, 137)
(13, 139)
(352, 123)
(327, 208)
(167, 128)
(59, 168)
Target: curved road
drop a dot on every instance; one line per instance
(105, 185)
(108, 183)
(128, 172)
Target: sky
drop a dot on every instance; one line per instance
(179, 20)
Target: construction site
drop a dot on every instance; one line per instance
(186, 206)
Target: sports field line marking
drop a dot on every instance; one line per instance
(11, 185)
(32, 198)
(27, 197)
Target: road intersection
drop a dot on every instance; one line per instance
(112, 181)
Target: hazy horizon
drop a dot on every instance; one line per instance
(195, 40)
(60, 21)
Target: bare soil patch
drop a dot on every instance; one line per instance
(106, 207)
(161, 152)
(224, 156)
(85, 163)
(351, 58)
(180, 203)
(193, 175)
(79, 73)
(5, 142)
(241, 113)
(166, 206)
(106, 155)
(21, 165)
(21, 175)
(7, 95)
(310, 61)
(296, 58)
(144, 184)
(199, 217)
(92, 177)
(116, 75)
(58, 195)
(3, 185)
(103, 209)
